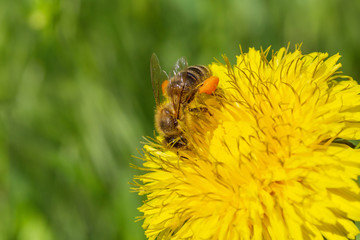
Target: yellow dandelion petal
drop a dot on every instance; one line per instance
(267, 156)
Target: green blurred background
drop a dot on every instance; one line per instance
(76, 96)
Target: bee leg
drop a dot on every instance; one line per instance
(199, 110)
(176, 141)
(190, 97)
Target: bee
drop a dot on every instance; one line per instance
(179, 90)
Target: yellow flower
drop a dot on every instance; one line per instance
(268, 159)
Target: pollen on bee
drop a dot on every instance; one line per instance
(164, 86)
(209, 85)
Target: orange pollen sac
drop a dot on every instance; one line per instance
(164, 86)
(209, 85)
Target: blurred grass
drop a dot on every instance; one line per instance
(75, 95)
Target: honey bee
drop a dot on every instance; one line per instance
(179, 90)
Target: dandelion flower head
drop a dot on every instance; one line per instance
(269, 159)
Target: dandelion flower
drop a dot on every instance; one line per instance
(269, 159)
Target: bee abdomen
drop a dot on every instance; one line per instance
(199, 72)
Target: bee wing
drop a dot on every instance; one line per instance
(180, 78)
(157, 76)
(180, 64)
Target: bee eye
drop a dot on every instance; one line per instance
(168, 122)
